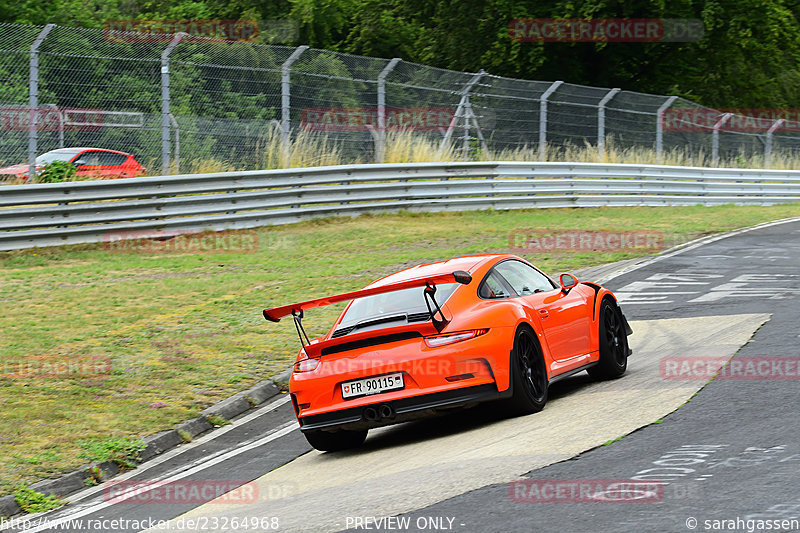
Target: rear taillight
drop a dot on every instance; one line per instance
(443, 340)
(306, 365)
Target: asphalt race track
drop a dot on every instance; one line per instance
(731, 453)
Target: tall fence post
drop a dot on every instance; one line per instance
(380, 145)
(660, 126)
(768, 144)
(165, 101)
(462, 105)
(176, 144)
(33, 104)
(286, 99)
(543, 118)
(601, 121)
(715, 138)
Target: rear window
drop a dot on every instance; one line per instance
(406, 301)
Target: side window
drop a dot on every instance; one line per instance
(91, 158)
(493, 287)
(524, 279)
(110, 158)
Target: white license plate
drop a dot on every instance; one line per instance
(368, 386)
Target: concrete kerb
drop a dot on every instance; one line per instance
(9, 506)
(155, 445)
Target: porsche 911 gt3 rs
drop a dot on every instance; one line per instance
(449, 335)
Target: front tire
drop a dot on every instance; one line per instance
(613, 343)
(334, 441)
(528, 374)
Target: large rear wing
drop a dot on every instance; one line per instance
(276, 313)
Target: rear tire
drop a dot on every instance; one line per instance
(528, 374)
(334, 441)
(613, 343)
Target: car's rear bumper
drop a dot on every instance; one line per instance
(403, 409)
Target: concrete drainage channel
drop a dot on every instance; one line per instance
(155, 445)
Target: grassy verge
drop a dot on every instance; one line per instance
(182, 331)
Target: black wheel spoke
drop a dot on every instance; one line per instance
(613, 343)
(529, 374)
(531, 366)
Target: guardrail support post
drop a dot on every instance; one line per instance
(660, 126)
(601, 121)
(165, 101)
(286, 100)
(380, 144)
(715, 138)
(768, 144)
(33, 95)
(543, 118)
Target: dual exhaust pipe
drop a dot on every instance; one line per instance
(381, 412)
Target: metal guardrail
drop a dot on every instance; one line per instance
(93, 211)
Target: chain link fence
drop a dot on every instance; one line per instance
(170, 99)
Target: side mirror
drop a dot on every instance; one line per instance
(568, 281)
(79, 162)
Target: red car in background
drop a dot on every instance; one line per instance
(97, 163)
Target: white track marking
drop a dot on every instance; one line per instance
(184, 470)
(691, 245)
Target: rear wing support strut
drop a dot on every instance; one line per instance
(301, 331)
(430, 291)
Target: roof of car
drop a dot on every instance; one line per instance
(82, 148)
(468, 263)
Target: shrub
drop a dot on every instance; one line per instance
(57, 172)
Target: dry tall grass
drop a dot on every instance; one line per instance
(406, 147)
(310, 149)
(306, 149)
(641, 156)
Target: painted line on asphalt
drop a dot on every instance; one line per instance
(261, 411)
(280, 431)
(692, 245)
(184, 470)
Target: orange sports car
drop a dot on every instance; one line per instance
(447, 335)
